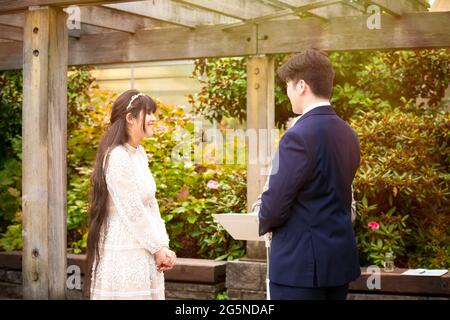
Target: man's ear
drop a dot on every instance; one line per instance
(301, 85)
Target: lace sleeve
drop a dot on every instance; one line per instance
(163, 232)
(125, 195)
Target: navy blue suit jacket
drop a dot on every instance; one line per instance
(308, 203)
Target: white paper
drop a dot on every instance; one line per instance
(425, 272)
(241, 226)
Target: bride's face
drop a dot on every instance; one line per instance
(150, 121)
(135, 126)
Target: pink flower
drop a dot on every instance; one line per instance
(212, 184)
(373, 225)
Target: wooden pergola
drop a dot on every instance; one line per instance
(34, 36)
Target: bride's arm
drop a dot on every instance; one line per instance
(123, 189)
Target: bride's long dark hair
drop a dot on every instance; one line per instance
(116, 134)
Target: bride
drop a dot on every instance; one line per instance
(127, 246)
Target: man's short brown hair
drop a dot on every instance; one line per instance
(314, 67)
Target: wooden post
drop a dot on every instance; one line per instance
(260, 115)
(44, 134)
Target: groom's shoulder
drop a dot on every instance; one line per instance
(299, 134)
(316, 127)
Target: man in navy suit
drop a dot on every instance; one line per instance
(307, 205)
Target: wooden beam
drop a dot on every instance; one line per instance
(411, 31)
(238, 9)
(44, 121)
(396, 283)
(17, 20)
(11, 55)
(176, 43)
(276, 14)
(335, 10)
(158, 45)
(414, 30)
(326, 11)
(399, 7)
(20, 5)
(99, 17)
(57, 154)
(260, 116)
(260, 122)
(11, 33)
(115, 20)
(297, 10)
(345, 7)
(172, 12)
(92, 29)
(13, 20)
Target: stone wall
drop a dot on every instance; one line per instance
(246, 280)
(200, 279)
(194, 279)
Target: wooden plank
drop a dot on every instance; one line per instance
(91, 29)
(172, 12)
(326, 11)
(197, 271)
(34, 154)
(11, 260)
(11, 55)
(43, 164)
(57, 146)
(186, 269)
(399, 7)
(116, 20)
(17, 20)
(238, 9)
(260, 116)
(8, 6)
(13, 20)
(335, 10)
(300, 10)
(158, 45)
(415, 30)
(11, 33)
(256, 20)
(301, 6)
(260, 119)
(149, 45)
(394, 282)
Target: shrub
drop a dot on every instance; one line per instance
(404, 184)
(186, 199)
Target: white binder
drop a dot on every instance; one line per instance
(241, 226)
(245, 226)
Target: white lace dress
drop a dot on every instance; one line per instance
(134, 231)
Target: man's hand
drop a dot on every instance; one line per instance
(268, 236)
(165, 259)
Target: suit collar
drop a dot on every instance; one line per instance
(317, 111)
(316, 105)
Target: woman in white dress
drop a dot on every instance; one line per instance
(128, 247)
